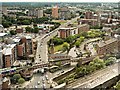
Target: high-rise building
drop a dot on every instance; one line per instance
(36, 13)
(89, 15)
(65, 13)
(55, 12)
(4, 10)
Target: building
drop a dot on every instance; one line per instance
(107, 47)
(1, 28)
(66, 32)
(89, 15)
(58, 57)
(36, 13)
(83, 28)
(4, 10)
(19, 30)
(64, 13)
(0, 81)
(9, 55)
(5, 83)
(91, 22)
(55, 12)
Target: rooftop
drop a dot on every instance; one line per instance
(2, 34)
(104, 43)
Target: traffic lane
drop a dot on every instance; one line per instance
(38, 81)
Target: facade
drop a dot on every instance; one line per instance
(64, 13)
(83, 28)
(91, 22)
(88, 15)
(1, 59)
(9, 55)
(4, 10)
(65, 32)
(19, 30)
(0, 81)
(58, 56)
(36, 13)
(107, 47)
(55, 12)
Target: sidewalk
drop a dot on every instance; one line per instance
(26, 83)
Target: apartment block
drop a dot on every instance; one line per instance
(107, 47)
(36, 13)
(83, 28)
(55, 12)
(9, 55)
(65, 32)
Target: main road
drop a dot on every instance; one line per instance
(42, 49)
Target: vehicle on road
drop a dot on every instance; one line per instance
(62, 72)
(38, 82)
(46, 76)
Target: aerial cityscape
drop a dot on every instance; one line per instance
(60, 45)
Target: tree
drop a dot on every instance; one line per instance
(21, 81)
(57, 41)
(12, 32)
(36, 30)
(16, 77)
(65, 47)
(28, 29)
(77, 44)
(26, 22)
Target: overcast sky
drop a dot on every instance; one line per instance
(59, 0)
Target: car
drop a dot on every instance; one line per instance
(48, 82)
(43, 80)
(38, 82)
(46, 76)
(62, 72)
(44, 85)
(35, 86)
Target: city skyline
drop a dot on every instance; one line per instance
(59, 1)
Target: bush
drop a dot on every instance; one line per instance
(21, 81)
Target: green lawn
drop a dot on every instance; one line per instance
(59, 47)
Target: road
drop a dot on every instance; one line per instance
(42, 49)
(96, 78)
(85, 42)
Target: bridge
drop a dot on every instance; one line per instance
(6, 72)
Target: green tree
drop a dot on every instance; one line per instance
(36, 30)
(16, 77)
(26, 22)
(29, 29)
(12, 32)
(77, 44)
(21, 80)
(65, 47)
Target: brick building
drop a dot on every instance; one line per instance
(83, 28)
(9, 55)
(107, 47)
(91, 22)
(55, 12)
(65, 32)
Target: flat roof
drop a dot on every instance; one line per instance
(103, 43)
(8, 49)
(2, 34)
(17, 39)
(67, 28)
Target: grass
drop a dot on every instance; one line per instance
(59, 47)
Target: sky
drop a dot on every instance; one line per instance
(59, 0)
